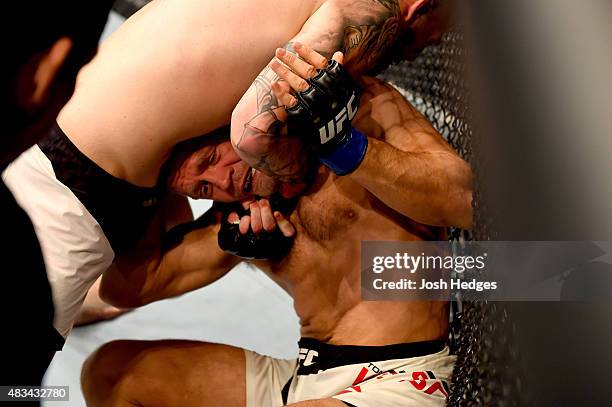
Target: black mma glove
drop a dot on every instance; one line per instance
(322, 115)
(262, 246)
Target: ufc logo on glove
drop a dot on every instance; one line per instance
(322, 116)
(334, 126)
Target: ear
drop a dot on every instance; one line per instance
(39, 73)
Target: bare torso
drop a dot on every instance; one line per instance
(322, 271)
(173, 71)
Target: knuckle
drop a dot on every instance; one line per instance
(278, 67)
(303, 85)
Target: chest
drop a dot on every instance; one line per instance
(338, 211)
(332, 210)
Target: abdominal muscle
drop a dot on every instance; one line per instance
(322, 273)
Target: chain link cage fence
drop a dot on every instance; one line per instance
(487, 371)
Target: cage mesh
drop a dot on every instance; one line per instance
(434, 84)
(487, 371)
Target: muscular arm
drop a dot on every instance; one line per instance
(151, 271)
(362, 29)
(408, 165)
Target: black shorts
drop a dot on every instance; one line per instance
(123, 210)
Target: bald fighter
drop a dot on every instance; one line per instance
(352, 353)
(167, 75)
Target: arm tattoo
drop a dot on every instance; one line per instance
(370, 32)
(389, 4)
(363, 30)
(267, 124)
(263, 85)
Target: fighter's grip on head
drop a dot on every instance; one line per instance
(262, 246)
(322, 115)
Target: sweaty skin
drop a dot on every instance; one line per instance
(163, 77)
(365, 31)
(321, 272)
(178, 68)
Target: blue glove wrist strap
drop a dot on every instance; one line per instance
(345, 158)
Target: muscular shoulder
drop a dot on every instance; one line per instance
(382, 110)
(387, 115)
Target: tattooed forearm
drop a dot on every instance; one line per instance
(265, 144)
(369, 33)
(363, 30)
(263, 86)
(266, 131)
(392, 5)
(277, 153)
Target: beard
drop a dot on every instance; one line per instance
(263, 184)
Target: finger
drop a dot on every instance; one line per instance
(267, 218)
(233, 218)
(247, 203)
(298, 84)
(256, 224)
(284, 225)
(297, 65)
(245, 223)
(338, 57)
(282, 95)
(283, 86)
(309, 55)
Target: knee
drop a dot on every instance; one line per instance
(104, 372)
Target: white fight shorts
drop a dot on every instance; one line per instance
(402, 375)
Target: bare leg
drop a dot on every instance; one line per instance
(165, 373)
